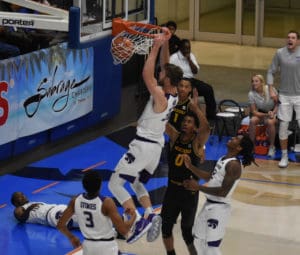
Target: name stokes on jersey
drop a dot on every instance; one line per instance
(90, 206)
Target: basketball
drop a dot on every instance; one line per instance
(122, 49)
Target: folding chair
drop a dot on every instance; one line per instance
(228, 118)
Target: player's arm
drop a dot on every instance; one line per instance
(171, 132)
(62, 224)
(255, 112)
(193, 63)
(233, 172)
(270, 76)
(109, 209)
(160, 101)
(22, 214)
(204, 129)
(202, 174)
(274, 91)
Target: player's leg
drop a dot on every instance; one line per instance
(199, 232)
(217, 216)
(126, 171)
(144, 223)
(169, 214)
(188, 213)
(129, 168)
(297, 109)
(285, 111)
(155, 152)
(56, 212)
(116, 186)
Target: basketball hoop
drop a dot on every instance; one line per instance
(131, 37)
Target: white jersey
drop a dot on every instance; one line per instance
(217, 178)
(92, 223)
(45, 214)
(152, 125)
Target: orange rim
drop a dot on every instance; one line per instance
(120, 25)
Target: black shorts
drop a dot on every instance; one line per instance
(179, 200)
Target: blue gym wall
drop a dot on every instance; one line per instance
(106, 104)
(107, 93)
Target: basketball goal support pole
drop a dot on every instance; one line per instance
(74, 27)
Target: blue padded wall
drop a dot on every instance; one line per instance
(106, 103)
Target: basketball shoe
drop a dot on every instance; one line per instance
(154, 230)
(140, 228)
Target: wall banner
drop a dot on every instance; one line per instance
(44, 89)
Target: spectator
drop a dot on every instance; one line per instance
(286, 60)
(188, 63)
(174, 41)
(263, 110)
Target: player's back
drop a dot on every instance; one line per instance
(93, 224)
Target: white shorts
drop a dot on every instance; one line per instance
(141, 155)
(286, 106)
(211, 222)
(99, 247)
(55, 213)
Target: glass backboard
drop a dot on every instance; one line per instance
(96, 15)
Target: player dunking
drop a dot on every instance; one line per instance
(140, 161)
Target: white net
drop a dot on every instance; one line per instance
(125, 44)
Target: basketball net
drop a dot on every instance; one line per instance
(131, 38)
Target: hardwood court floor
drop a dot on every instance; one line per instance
(266, 205)
(265, 215)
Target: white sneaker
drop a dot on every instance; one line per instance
(271, 152)
(283, 162)
(154, 231)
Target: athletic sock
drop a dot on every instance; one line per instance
(148, 211)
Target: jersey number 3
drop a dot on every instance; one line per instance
(89, 219)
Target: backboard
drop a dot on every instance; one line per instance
(96, 15)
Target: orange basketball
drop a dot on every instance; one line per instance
(122, 49)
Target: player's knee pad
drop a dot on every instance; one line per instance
(187, 235)
(116, 186)
(139, 189)
(283, 130)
